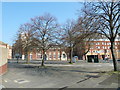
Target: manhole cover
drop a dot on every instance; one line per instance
(20, 81)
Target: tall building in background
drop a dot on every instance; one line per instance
(100, 48)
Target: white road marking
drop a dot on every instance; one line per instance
(5, 81)
(20, 81)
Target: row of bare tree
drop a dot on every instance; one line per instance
(97, 18)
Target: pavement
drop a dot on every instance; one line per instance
(104, 81)
(60, 75)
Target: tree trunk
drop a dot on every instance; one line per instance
(60, 53)
(27, 59)
(113, 56)
(85, 57)
(17, 59)
(67, 56)
(71, 54)
(42, 64)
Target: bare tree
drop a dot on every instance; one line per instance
(86, 33)
(82, 48)
(69, 35)
(60, 42)
(74, 34)
(107, 16)
(26, 37)
(45, 28)
(17, 47)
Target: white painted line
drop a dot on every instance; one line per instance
(23, 82)
(15, 80)
(5, 81)
(20, 81)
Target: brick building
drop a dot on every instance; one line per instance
(54, 53)
(5, 54)
(101, 49)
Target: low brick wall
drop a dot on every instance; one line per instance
(3, 69)
(3, 60)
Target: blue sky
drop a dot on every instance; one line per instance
(16, 13)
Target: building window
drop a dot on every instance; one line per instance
(98, 47)
(91, 48)
(54, 55)
(64, 56)
(108, 43)
(102, 51)
(50, 56)
(31, 56)
(97, 43)
(92, 43)
(38, 56)
(108, 47)
(58, 55)
(94, 51)
(118, 50)
(105, 48)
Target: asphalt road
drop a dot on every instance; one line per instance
(53, 75)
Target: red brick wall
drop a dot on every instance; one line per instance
(34, 54)
(3, 69)
(57, 54)
(52, 51)
(105, 45)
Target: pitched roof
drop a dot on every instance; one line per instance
(2, 42)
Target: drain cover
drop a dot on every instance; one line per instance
(20, 81)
